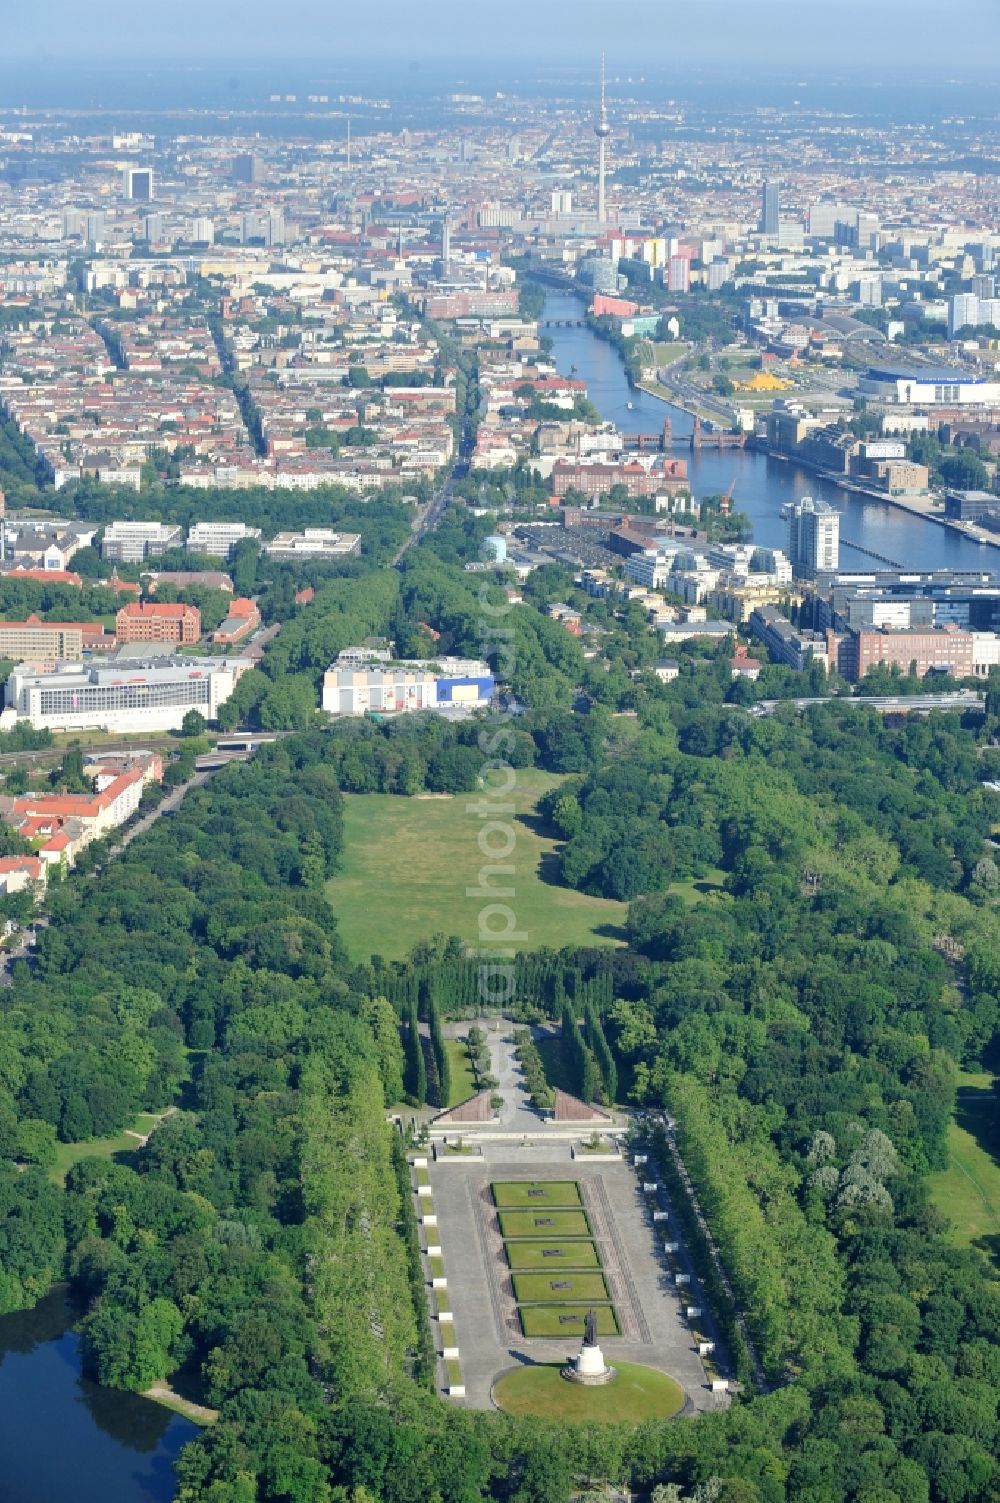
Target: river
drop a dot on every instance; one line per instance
(65, 1438)
(762, 485)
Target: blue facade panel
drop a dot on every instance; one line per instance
(446, 688)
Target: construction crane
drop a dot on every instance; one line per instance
(726, 504)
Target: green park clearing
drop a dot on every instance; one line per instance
(637, 1394)
(532, 1255)
(565, 1320)
(513, 1195)
(543, 1223)
(408, 863)
(68, 1154)
(559, 1288)
(968, 1191)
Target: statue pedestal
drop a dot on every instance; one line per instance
(589, 1367)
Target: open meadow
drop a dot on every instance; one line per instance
(409, 863)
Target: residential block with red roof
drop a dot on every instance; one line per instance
(243, 618)
(59, 825)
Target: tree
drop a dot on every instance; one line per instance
(193, 724)
(381, 1018)
(35, 1142)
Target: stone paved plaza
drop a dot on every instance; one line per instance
(517, 1145)
(486, 1325)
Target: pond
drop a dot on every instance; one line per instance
(65, 1438)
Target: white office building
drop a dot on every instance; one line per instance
(218, 539)
(132, 542)
(314, 542)
(406, 687)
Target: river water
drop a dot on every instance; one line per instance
(762, 485)
(64, 1439)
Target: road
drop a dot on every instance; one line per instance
(429, 516)
(673, 379)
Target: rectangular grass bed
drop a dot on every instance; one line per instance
(517, 1195)
(558, 1287)
(546, 1255)
(565, 1320)
(542, 1223)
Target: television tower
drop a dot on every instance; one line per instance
(602, 131)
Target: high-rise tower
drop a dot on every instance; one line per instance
(770, 208)
(602, 131)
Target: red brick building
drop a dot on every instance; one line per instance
(597, 479)
(920, 649)
(152, 621)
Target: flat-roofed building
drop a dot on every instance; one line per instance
(314, 542)
(917, 650)
(132, 542)
(136, 695)
(786, 643)
(927, 386)
(399, 688)
(218, 539)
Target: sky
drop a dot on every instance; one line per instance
(757, 34)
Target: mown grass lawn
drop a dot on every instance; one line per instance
(408, 863)
(554, 1256)
(462, 1083)
(968, 1191)
(556, 1288)
(565, 1320)
(638, 1393)
(511, 1195)
(551, 1224)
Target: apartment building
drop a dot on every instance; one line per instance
(599, 479)
(786, 643)
(60, 825)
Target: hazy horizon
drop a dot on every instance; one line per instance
(891, 34)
